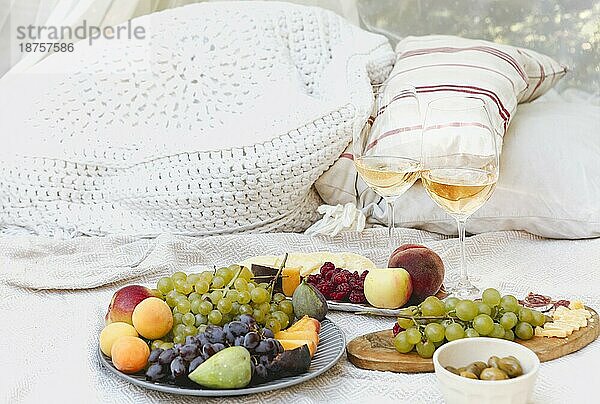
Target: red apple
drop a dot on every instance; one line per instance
(124, 301)
(425, 267)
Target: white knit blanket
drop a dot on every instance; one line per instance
(49, 344)
(218, 122)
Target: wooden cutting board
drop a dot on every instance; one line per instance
(376, 351)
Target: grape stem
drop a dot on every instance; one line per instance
(231, 282)
(426, 317)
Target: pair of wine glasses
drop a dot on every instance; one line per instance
(453, 149)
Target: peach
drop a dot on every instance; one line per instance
(306, 323)
(152, 318)
(302, 335)
(129, 354)
(124, 301)
(290, 344)
(425, 267)
(112, 332)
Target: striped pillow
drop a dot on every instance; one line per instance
(503, 75)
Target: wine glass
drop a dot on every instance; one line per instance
(387, 154)
(460, 165)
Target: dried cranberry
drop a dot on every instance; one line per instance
(357, 297)
(314, 279)
(341, 292)
(326, 288)
(363, 275)
(328, 266)
(340, 277)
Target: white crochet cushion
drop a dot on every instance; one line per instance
(220, 121)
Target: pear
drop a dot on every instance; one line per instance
(227, 369)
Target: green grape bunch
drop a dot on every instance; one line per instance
(425, 327)
(219, 297)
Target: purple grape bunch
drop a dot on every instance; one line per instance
(173, 365)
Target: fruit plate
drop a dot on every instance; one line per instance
(332, 346)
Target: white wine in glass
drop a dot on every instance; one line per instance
(459, 191)
(388, 176)
(387, 155)
(460, 165)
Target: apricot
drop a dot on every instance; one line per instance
(130, 354)
(152, 318)
(112, 332)
(124, 301)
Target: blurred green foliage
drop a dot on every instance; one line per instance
(568, 30)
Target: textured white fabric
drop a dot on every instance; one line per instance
(49, 348)
(336, 219)
(218, 122)
(549, 181)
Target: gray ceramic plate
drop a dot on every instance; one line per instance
(361, 308)
(332, 346)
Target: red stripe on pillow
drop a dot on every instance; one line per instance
(486, 49)
(393, 132)
(504, 114)
(462, 65)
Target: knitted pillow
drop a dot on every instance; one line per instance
(440, 66)
(219, 122)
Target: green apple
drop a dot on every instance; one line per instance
(388, 288)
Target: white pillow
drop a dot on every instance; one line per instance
(549, 181)
(219, 122)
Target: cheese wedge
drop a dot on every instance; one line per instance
(565, 321)
(541, 332)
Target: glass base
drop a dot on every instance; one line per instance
(464, 289)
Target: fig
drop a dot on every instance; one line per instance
(308, 301)
(287, 363)
(229, 368)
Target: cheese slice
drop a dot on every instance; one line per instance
(575, 323)
(559, 327)
(576, 304)
(541, 332)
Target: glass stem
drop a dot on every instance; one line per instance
(464, 277)
(390, 209)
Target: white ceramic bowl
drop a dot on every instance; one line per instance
(461, 390)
